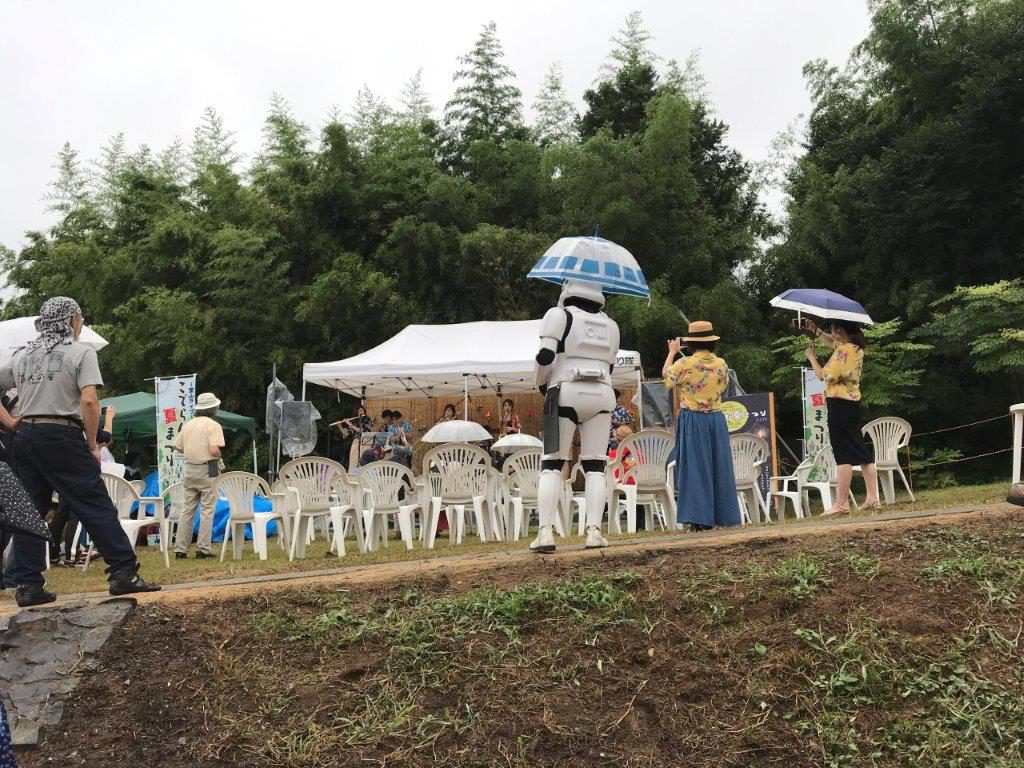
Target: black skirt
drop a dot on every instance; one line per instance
(844, 432)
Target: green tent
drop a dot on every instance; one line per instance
(136, 417)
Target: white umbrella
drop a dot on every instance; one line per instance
(517, 442)
(21, 330)
(456, 431)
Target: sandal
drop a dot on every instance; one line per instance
(835, 512)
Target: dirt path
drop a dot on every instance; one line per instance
(197, 594)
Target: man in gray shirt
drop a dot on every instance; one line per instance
(55, 450)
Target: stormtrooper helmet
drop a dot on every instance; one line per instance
(581, 289)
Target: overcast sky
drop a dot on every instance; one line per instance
(82, 70)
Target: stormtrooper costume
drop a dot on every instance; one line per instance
(578, 346)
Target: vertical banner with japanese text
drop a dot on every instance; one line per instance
(175, 402)
(815, 415)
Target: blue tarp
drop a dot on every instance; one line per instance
(220, 515)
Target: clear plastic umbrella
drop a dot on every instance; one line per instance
(456, 431)
(592, 260)
(517, 442)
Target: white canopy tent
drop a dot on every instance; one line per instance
(446, 360)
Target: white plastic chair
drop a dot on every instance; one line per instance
(572, 497)
(124, 496)
(347, 513)
(793, 488)
(241, 489)
(749, 453)
(450, 487)
(522, 470)
(889, 435)
(649, 451)
(383, 483)
(308, 481)
(467, 487)
(826, 481)
(174, 498)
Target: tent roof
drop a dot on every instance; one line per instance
(432, 361)
(136, 415)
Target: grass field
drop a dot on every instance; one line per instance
(895, 646)
(71, 581)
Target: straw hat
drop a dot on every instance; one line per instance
(701, 330)
(207, 401)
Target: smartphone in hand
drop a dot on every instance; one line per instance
(803, 326)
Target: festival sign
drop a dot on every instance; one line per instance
(175, 403)
(815, 414)
(754, 415)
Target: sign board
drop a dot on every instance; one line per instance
(754, 415)
(175, 403)
(815, 415)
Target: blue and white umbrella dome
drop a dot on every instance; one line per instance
(592, 260)
(822, 303)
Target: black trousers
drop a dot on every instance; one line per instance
(52, 457)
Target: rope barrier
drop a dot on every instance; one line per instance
(960, 426)
(960, 461)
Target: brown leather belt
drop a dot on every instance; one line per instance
(60, 420)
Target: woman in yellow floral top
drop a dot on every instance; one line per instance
(841, 375)
(704, 475)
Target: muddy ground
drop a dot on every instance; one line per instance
(893, 645)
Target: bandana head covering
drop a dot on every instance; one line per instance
(54, 322)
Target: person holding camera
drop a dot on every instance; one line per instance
(705, 481)
(841, 375)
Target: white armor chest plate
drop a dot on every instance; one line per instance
(590, 349)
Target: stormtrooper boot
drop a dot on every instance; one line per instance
(549, 490)
(595, 493)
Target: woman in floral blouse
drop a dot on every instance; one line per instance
(841, 375)
(704, 475)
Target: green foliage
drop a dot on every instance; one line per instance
(487, 104)
(329, 241)
(893, 374)
(986, 320)
(911, 179)
(802, 576)
(556, 116)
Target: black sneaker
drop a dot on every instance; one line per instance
(181, 555)
(204, 555)
(27, 595)
(128, 582)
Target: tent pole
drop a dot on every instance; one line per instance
(640, 397)
(255, 465)
(303, 390)
(270, 427)
(465, 397)
(156, 419)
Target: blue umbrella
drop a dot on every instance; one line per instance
(592, 260)
(821, 303)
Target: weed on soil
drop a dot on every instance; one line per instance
(888, 648)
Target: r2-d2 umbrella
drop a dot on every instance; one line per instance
(578, 346)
